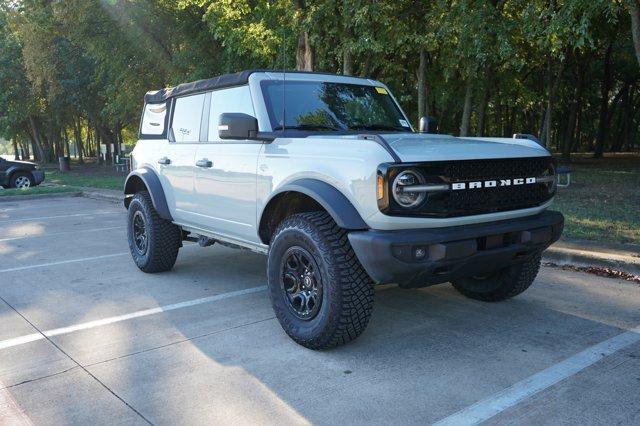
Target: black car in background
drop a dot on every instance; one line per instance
(19, 174)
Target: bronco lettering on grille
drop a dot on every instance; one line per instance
(492, 183)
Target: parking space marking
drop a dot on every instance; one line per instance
(57, 217)
(63, 262)
(56, 234)
(518, 392)
(17, 341)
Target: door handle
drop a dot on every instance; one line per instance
(204, 163)
(164, 160)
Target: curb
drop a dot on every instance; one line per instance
(567, 256)
(99, 195)
(9, 198)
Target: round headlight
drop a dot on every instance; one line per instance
(406, 198)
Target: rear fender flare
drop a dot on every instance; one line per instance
(147, 179)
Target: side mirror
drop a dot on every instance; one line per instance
(423, 125)
(428, 125)
(237, 125)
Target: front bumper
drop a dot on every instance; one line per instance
(418, 257)
(38, 176)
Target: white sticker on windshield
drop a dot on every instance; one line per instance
(403, 123)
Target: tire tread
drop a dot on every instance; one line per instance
(357, 293)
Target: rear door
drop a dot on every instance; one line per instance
(225, 178)
(176, 162)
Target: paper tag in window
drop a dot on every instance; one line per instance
(403, 123)
(382, 90)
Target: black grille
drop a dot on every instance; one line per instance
(489, 169)
(479, 200)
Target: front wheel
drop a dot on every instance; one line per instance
(154, 242)
(320, 293)
(21, 180)
(500, 285)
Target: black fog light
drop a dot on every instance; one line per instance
(419, 253)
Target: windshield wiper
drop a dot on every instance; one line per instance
(378, 127)
(308, 127)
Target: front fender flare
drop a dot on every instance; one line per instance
(16, 168)
(332, 200)
(146, 179)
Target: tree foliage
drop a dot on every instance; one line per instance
(75, 71)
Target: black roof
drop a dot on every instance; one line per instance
(225, 80)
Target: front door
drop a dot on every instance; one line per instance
(225, 175)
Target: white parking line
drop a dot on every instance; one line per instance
(55, 234)
(56, 217)
(495, 404)
(63, 262)
(9, 343)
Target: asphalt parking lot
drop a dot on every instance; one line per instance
(87, 338)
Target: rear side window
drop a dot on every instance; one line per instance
(187, 116)
(236, 99)
(153, 119)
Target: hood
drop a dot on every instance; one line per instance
(24, 163)
(415, 147)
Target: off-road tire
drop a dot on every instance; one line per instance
(17, 175)
(501, 285)
(347, 290)
(164, 238)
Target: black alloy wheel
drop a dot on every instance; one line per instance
(141, 239)
(301, 283)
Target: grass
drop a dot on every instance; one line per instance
(36, 190)
(603, 201)
(94, 177)
(80, 177)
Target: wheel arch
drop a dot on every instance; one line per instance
(16, 169)
(145, 179)
(305, 195)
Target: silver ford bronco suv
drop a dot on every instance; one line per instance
(326, 176)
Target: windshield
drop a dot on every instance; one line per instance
(311, 105)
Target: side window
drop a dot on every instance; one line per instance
(236, 99)
(153, 119)
(187, 115)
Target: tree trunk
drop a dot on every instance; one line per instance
(422, 70)
(304, 53)
(66, 144)
(545, 134)
(482, 108)
(99, 158)
(37, 139)
(603, 123)
(567, 142)
(347, 62)
(106, 136)
(634, 11)
(16, 153)
(466, 112)
(77, 134)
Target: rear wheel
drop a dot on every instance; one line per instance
(319, 291)
(500, 285)
(21, 180)
(153, 242)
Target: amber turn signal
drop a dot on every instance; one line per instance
(380, 188)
